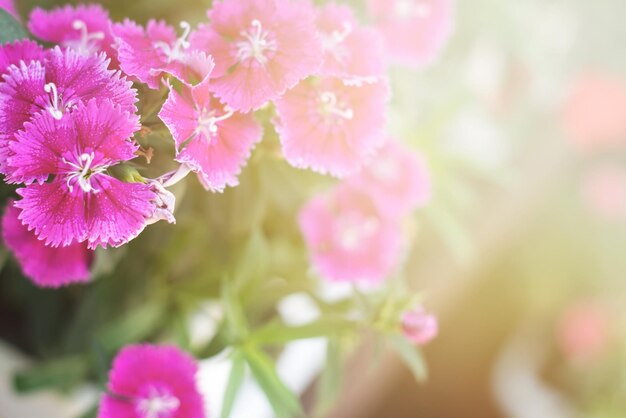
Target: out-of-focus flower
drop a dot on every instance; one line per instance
(594, 115)
(261, 49)
(583, 332)
(415, 31)
(331, 127)
(212, 139)
(149, 54)
(81, 202)
(55, 86)
(21, 50)
(164, 204)
(397, 178)
(419, 326)
(348, 239)
(84, 28)
(45, 266)
(9, 6)
(604, 191)
(351, 52)
(151, 381)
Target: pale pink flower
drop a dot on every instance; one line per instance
(604, 191)
(84, 28)
(351, 52)
(594, 114)
(415, 31)
(211, 139)
(348, 239)
(261, 49)
(331, 127)
(584, 331)
(419, 326)
(151, 53)
(152, 381)
(397, 178)
(45, 266)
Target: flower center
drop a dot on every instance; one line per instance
(330, 107)
(158, 404)
(352, 232)
(256, 44)
(385, 170)
(176, 51)
(54, 104)
(332, 42)
(412, 8)
(208, 120)
(87, 43)
(81, 172)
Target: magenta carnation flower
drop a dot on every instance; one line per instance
(419, 326)
(9, 6)
(81, 202)
(55, 86)
(261, 49)
(348, 239)
(351, 52)
(415, 31)
(149, 381)
(21, 50)
(148, 54)
(46, 266)
(331, 127)
(397, 178)
(84, 28)
(211, 139)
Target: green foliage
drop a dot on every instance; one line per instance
(411, 356)
(10, 29)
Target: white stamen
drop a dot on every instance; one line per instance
(352, 233)
(86, 43)
(176, 52)
(83, 172)
(207, 123)
(331, 107)
(54, 108)
(255, 44)
(156, 405)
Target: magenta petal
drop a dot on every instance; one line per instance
(143, 372)
(9, 6)
(117, 213)
(46, 266)
(21, 50)
(179, 115)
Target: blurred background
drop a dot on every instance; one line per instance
(521, 253)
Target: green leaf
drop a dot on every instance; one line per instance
(283, 401)
(135, 325)
(253, 262)
(330, 379)
(237, 373)
(59, 374)
(10, 29)
(234, 313)
(279, 333)
(411, 355)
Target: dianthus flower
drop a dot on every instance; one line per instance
(348, 238)
(148, 54)
(150, 381)
(25, 50)
(70, 197)
(330, 126)
(45, 266)
(415, 31)
(261, 49)
(419, 326)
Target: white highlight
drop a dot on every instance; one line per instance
(176, 52)
(207, 123)
(83, 173)
(157, 405)
(85, 44)
(255, 44)
(331, 106)
(54, 108)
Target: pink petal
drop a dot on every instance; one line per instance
(21, 50)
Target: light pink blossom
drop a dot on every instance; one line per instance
(419, 326)
(331, 127)
(604, 191)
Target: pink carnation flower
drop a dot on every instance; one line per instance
(21, 50)
(351, 52)
(415, 31)
(397, 178)
(594, 115)
(81, 202)
(584, 331)
(419, 326)
(149, 381)
(149, 53)
(46, 266)
(211, 139)
(348, 239)
(84, 28)
(604, 191)
(9, 6)
(261, 49)
(55, 86)
(331, 127)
